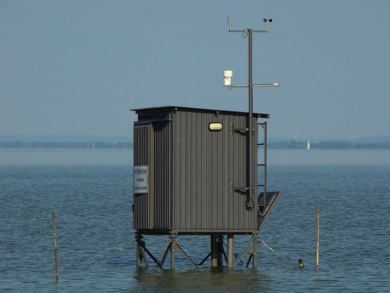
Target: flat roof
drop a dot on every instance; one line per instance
(190, 109)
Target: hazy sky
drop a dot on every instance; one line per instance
(77, 67)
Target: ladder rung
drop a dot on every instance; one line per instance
(261, 165)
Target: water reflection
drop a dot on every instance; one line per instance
(200, 280)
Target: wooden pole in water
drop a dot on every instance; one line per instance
(318, 238)
(53, 218)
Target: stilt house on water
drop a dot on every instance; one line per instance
(196, 173)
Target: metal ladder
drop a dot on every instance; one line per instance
(262, 164)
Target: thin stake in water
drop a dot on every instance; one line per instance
(53, 218)
(318, 238)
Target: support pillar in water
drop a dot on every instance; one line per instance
(220, 250)
(255, 244)
(173, 250)
(230, 250)
(214, 250)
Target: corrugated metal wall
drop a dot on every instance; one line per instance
(141, 158)
(162, 157)
(207, 165)
(193, 171)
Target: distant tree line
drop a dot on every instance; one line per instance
(64, 145)
(293, 144)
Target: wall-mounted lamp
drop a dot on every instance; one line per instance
(215, 126)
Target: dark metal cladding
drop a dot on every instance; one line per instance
(194, 174)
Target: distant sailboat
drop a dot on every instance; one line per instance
(308, 145)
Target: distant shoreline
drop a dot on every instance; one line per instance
(292, 144)
(344, 145)
(64, 145)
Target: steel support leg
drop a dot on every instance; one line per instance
(141, 256)
(173, 250)
(230, 250)
(220, 250)
(214, 250)
(255, 246)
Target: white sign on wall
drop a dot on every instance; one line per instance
(140, 176)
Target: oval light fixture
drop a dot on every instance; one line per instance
(215, 126)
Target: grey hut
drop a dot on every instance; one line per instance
(190, 175)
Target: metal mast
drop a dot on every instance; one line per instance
(250, 129)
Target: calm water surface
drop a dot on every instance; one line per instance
(91, 194)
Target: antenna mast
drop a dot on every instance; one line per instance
(247, 33)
